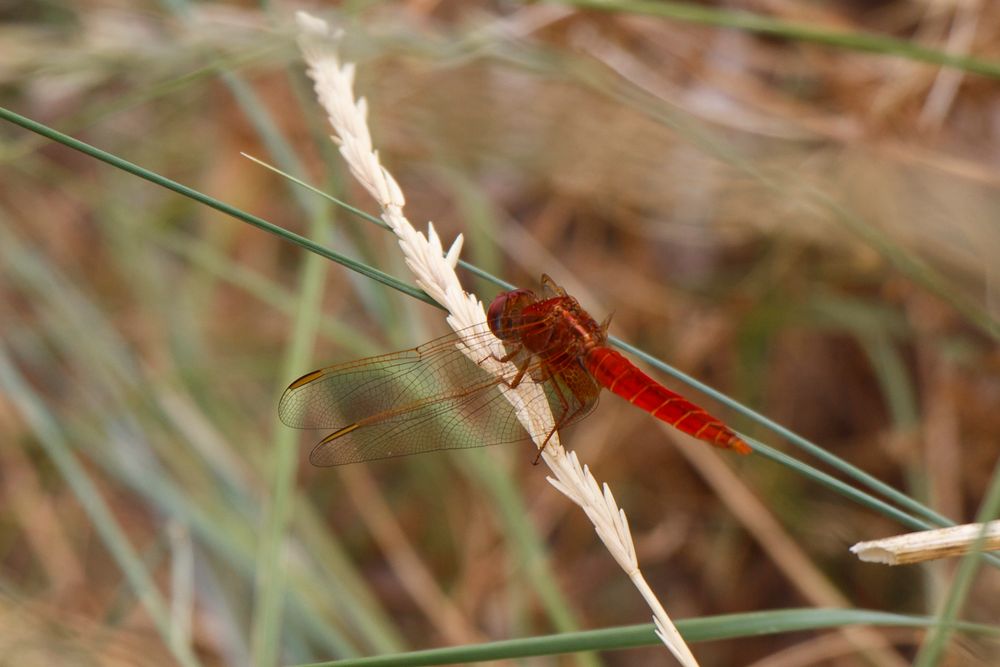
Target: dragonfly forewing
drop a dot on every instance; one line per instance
(427, 398)
(341, 395)
(473, 417)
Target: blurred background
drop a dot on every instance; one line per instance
(812, 230)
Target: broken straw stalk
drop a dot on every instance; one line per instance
(930, 544)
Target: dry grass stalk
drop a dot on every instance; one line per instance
(930, 544)
(435, 274)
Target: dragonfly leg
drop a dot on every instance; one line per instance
(511, 353)
(560, 419)
(517, 378)
(521, 370)
(565, 416)
(538, 456)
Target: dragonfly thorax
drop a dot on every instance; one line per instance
(555, 329)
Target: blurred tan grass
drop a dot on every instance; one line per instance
(652, 202)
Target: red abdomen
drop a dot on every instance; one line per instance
(620, 376)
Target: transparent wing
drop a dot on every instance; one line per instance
(467, 419)
(427, 398)
(341, 395)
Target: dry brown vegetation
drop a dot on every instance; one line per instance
(811, 230)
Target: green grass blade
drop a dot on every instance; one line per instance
(931, 518)
(232, 211)
(840, 487)
(741, 20)
(711, 628)
(267, 621)
(471, 268)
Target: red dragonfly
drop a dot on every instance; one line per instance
(435, 397)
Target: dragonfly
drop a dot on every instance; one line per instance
(440, 395)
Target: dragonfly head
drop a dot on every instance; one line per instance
(504, 315)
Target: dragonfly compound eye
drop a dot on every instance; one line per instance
(505, 311)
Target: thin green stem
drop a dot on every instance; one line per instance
(832, 460)
(471, 268)
(709, 628)
(232, 211)
(765, 25)
(267, 621)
